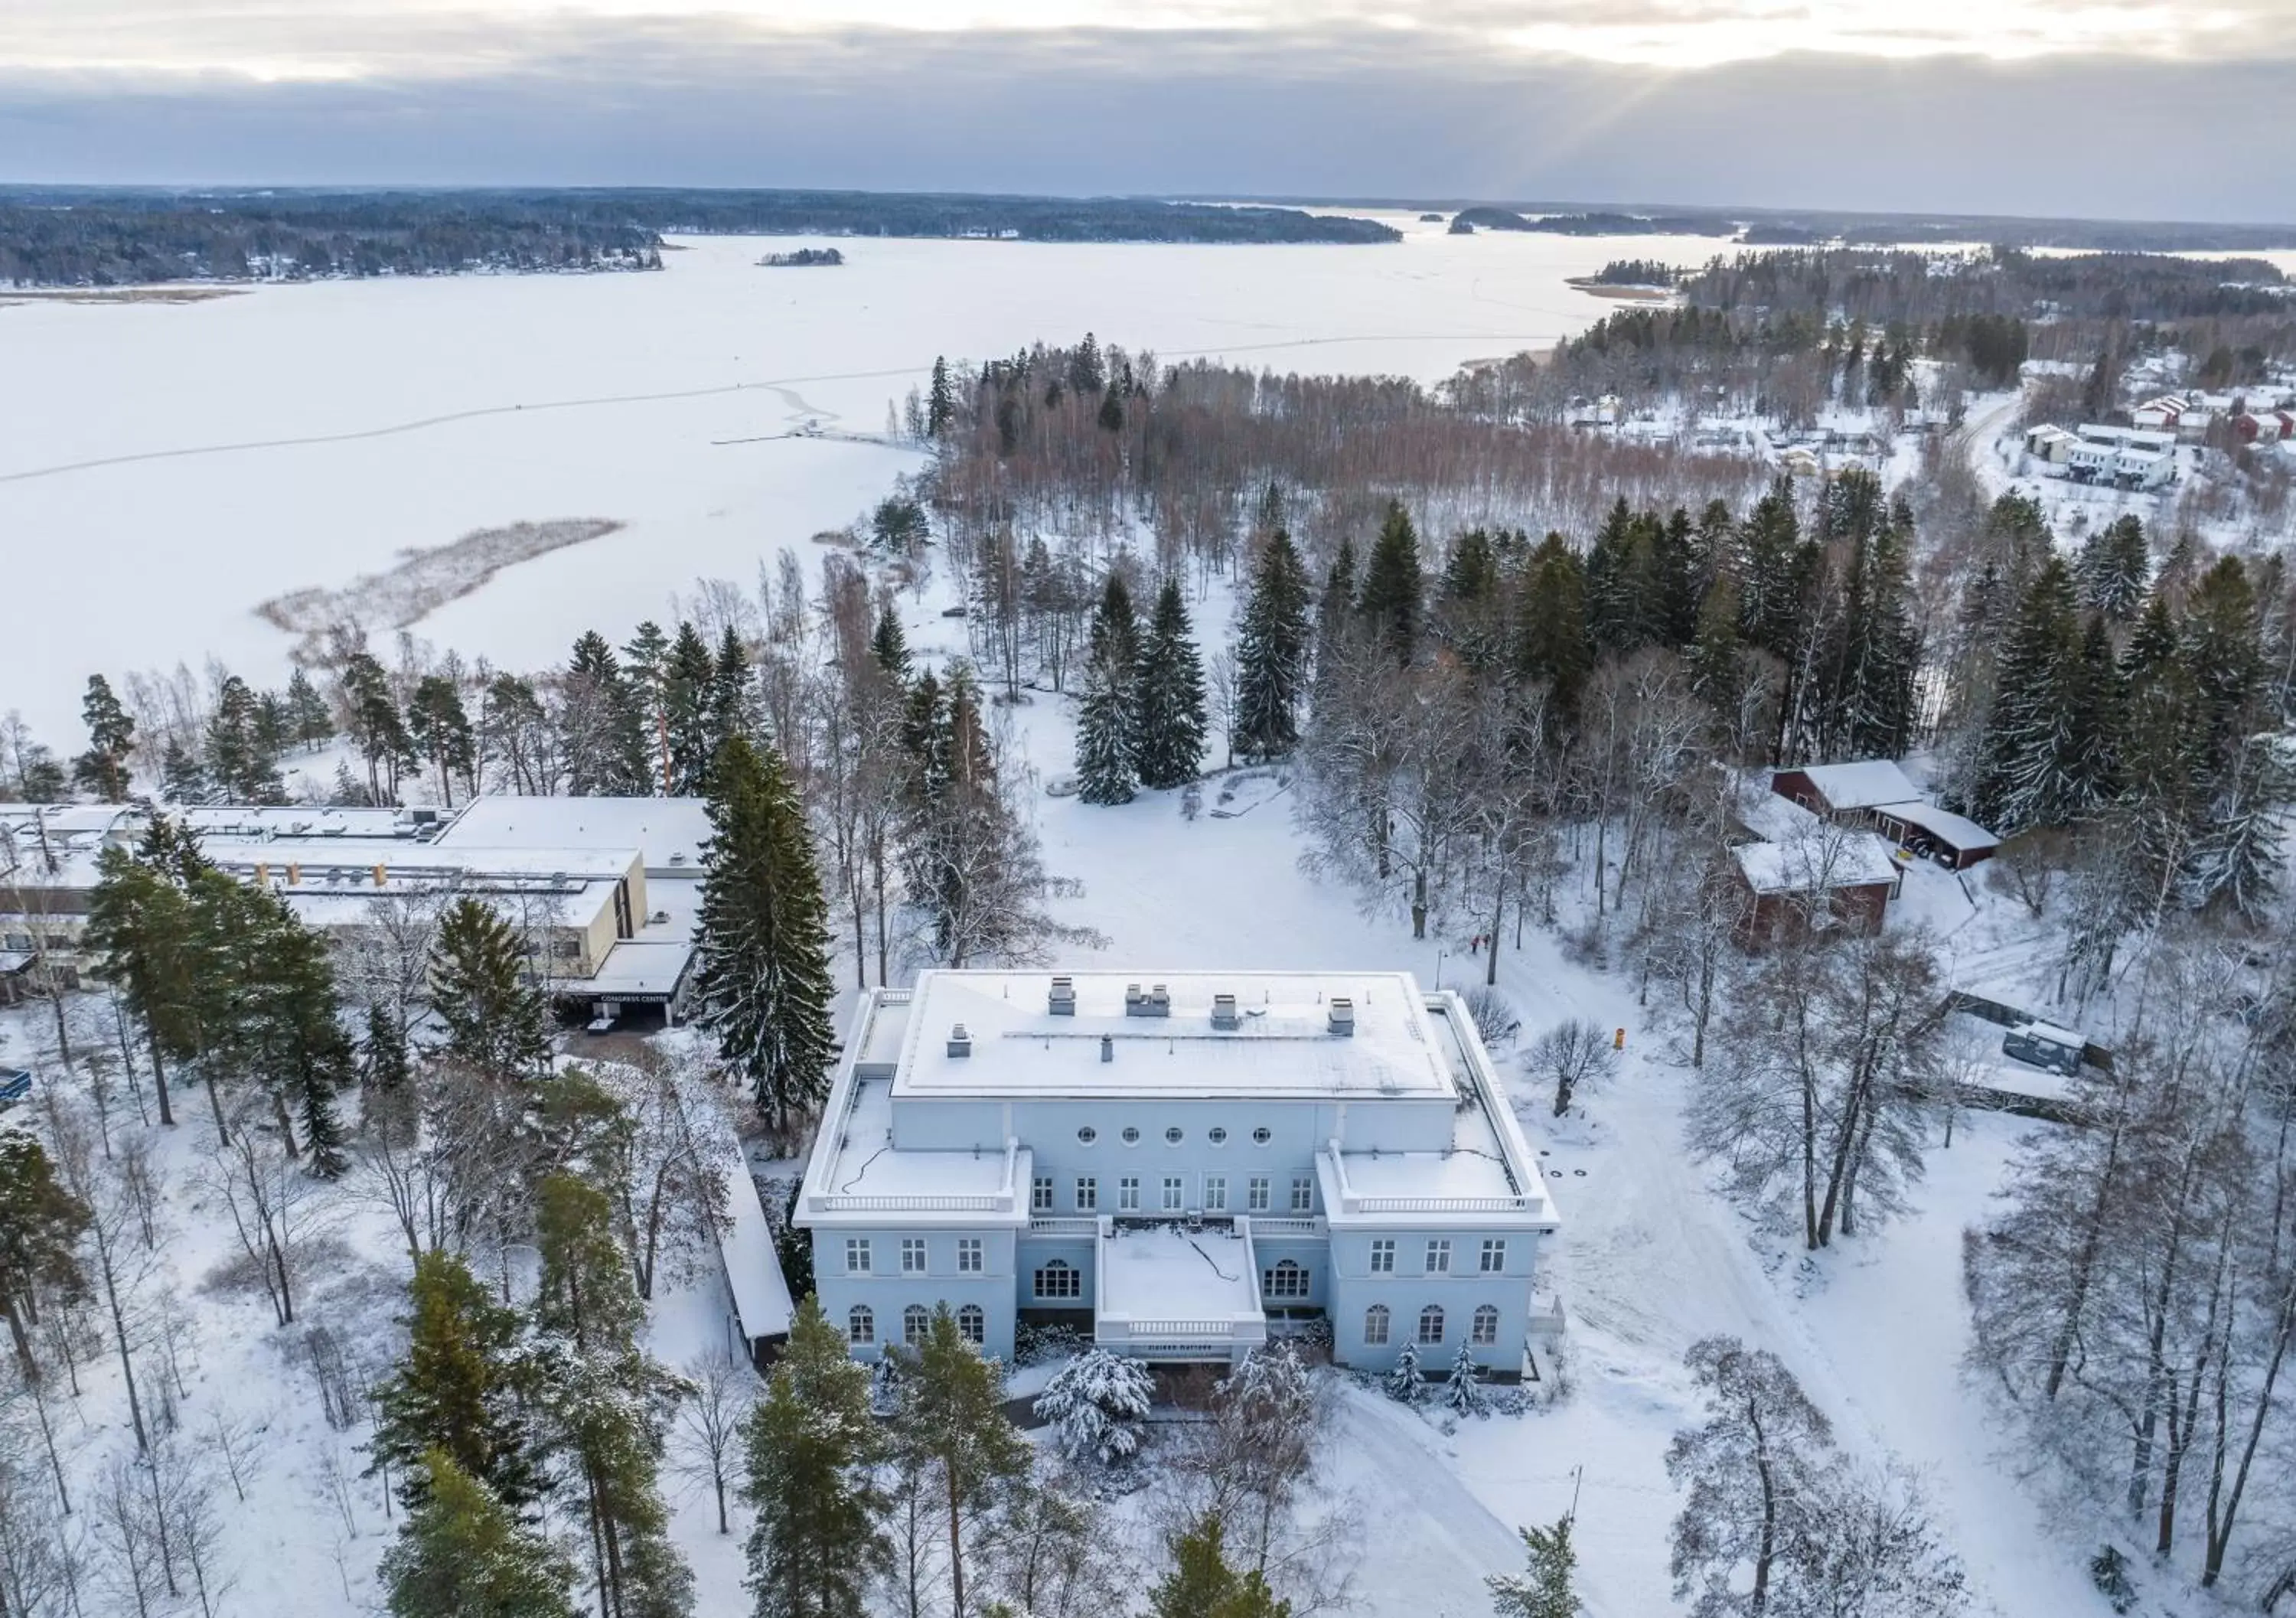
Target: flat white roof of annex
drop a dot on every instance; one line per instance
(1283, 1046)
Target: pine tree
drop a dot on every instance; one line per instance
(495, 1021)
(236, 761)
(1169, 697)
(954, 1423)
(375, 728)
(761, 969)
(1271, 653)
(1393, 589)
(1201, 1584)
(685, 689)
(812, 1445)
(290, 1017)
(383, 1065)
(41, 1223)
(465, 1554)
(102, 770)
(1545, 1590)
(1107, 724)
(608, 739)
(462, 1389)
(441, 732)
(309, 721)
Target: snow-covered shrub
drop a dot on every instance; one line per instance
(1403, 1383)
(887, 1391)
(1096, 1404)
(2108, 1570)
(1042, 1344)
(1463, 1389)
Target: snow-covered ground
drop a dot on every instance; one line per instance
(179, 463)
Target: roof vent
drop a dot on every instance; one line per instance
(960, 1043)
(1064, 997)
(1159, 1001)
(1135, 1004)
(1223, 1014)
(1343, 1016)
(1107, 1049)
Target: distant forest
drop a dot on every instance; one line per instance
(54, 237)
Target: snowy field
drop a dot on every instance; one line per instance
(182, 463)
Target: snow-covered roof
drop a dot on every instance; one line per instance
(1825, 860)
(1166, 1273)
(859, 1175)
(2055, 1035)
(244, 821)
(1282, 1046)
(1955, 831)
(1862, 783)
(753, 1269)
(668, 832)
(634, 967)
(1764, 813)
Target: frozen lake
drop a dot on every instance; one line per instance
(181, 462)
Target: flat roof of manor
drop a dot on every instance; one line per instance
(1282, 1045)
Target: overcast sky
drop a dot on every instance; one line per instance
(2150, 108)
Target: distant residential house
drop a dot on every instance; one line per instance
(2049, 443)
(1848, 794)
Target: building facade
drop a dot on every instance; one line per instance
(1179, 1168)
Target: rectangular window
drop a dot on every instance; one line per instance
(1494, 1256)
(1060, 1279)
(1176, 1193)
(1303, 1194)
(1375, 1327)
(969, 1255)
(1383, 1255)
(913, 1255)
(1087, 1194)
(857, 1255)
(1127, 1194)
(1040, 1194)
(1215, 1194)
(1439, 1257)
(1260, 1198)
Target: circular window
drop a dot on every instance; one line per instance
(1172, 1135)
(1261, 1136)
(1216, 1134)
(1131, 1135)
(1087, 1135)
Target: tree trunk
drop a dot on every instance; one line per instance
(956, 1548)
(159, 1079)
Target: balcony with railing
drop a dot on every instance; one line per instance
(1171, 1292)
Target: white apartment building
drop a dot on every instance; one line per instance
(1178, 1166)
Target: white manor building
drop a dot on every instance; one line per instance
(1179, 1168)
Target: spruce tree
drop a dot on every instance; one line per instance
(2028, 774)
(941, 402)
(441, 732)
(1107, 757)
(462, 1389)
(465, 1554)
(1271, 652)
(310, 722)
(238, 765)
(686, 693)
(1169, 698)
(761, 971)
(1545, 1590)
(889, 645)
(1551, 641)
(609, 738)
(812, 1447)
(495, 1021)
(102, 770)
(729, 691)
(1393, 590)
(293, 1034)
(2114, 563)
(383, 1064)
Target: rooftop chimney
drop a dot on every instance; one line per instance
(1107, 1049)
(960, 1043)
(1223, 1014)
(1343, 1016)
(1064, 997)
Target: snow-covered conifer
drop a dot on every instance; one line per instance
(1097, 1404)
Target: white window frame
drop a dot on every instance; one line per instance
(1175, 1193)
(859, 1260)
(1127, 1194)
(1493, 1259)
(1040, 1194)
(1483, 1328)
(1432, 1313)
(861, 1324)
(1074, 1284)
(973, 1324)
(916, 1321)
(1292, 1291)
(1303, 1194)
(1261, 1192)
(1438, 1256)
(1215, 1194)
(1383, 1255)
(914, 1262)
(1378, 1319)
(971, 1255)
(1087, 1194)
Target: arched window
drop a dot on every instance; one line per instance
(1376, 1325)
(1059, 1278)
(916, 1320)
(1285, 1279)
(861, 1324)
(1485, 1332)
(1431, 1324)
(972, 1323)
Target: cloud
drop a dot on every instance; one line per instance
(1326, 109)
